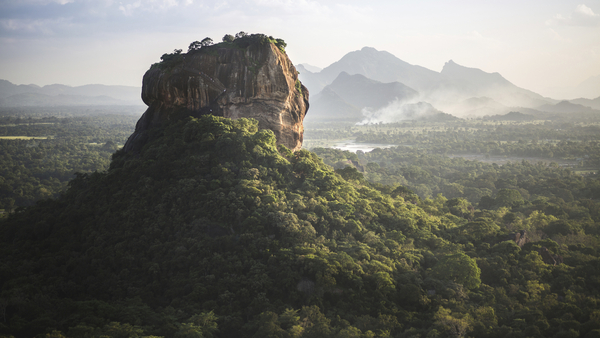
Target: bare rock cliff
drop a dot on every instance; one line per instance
(254, 81)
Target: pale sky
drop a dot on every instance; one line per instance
(536, 44)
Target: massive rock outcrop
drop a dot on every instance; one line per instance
(250, 77)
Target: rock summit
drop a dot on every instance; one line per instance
(250, 76)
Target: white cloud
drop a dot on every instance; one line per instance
(581, 16)
(293, 7)
(43, 2)
(30, 26)
(585, 11)
(129, 8)
(221, 4)
(352, 13)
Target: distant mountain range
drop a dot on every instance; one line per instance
(373, 64)
(586, 89)
(566, 107)
(361, 91)
(595, 103)
(376, 82)
(348, 95)
(358, 99)
(12, 95)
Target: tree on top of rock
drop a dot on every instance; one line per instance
(206, 42)
(196, 45)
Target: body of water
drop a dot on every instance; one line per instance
(351, 145)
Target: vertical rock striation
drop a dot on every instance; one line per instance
(252, 80)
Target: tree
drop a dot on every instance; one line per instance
(202, 325)
(228, 38)
(196, 45)
(241, 35)
(118, 330)
(458, 268)
(460, 207)
(562, 227)
(268, 326)
(206, 42)
(508, 198)
(486, 202)
(480, 228)
(315, 323)
(350, 173)
(454, 327)
(281, 44)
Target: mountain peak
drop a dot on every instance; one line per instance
(345, 77)
(451, 65)
(475, 76)
(369, 49)
(378, 65)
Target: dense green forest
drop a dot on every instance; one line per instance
(473, 159)
(41, 149)
(214, 231)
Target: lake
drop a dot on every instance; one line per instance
(351, 145)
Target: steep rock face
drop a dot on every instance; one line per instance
(258, 81)
(520, 238)
(549, 258)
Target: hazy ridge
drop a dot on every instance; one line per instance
(12, 95)
(457, 90)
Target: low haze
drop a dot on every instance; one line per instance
(549, 47)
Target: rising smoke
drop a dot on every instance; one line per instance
(397, 111)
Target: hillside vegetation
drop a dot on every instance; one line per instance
(41, 152)
(214, 231)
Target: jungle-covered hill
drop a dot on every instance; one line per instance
(213, 230)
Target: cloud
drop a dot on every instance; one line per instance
(354, 13)
(152, 5)
(43, 26)
(91, 18)
(42, 2)
(129, 8)
(290, 7)
(585, 11)
(581, 16)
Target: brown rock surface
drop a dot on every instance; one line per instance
(257, 81)
(520, 238)
(549, 258)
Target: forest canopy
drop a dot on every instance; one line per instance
(215, 230)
